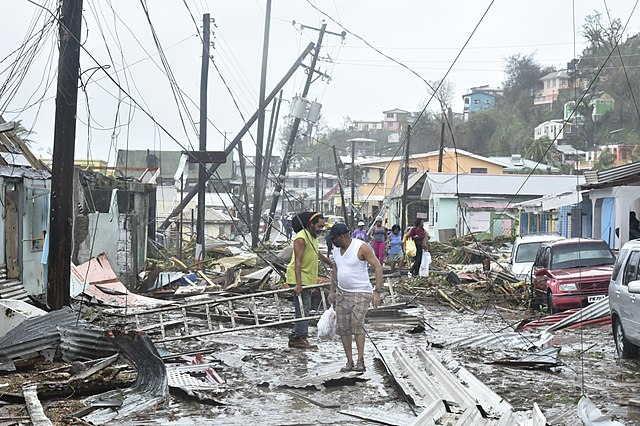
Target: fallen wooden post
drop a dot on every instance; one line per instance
(36, 412)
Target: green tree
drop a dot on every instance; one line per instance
(606, 160)
(24, 133)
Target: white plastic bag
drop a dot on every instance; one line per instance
(327, 323)
(424, 264)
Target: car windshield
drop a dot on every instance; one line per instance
(581, 255)
(526, 252)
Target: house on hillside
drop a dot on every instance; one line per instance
(548, 88)
(394, 119)
(555, 130)
(381, 175)
(601, 105)
(463, 203)
(367, 126)
(613, 194)
(479, 99)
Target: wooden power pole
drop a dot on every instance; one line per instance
(262, 105)
(202, 170)
(353, 184)
(344, 206)
(64, 141)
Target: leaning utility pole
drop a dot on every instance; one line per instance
(344, 206)
(405, 182)
(237, 138)
(292, 137)
(202, 171)
(353, 183)
(257, 185)
(64, 140)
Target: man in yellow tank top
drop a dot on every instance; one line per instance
(303, 270)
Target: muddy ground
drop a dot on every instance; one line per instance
(588, 358)
(257, 362)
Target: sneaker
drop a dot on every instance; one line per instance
(359, 367)
(347, 367)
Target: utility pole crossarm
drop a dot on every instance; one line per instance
(237, 138)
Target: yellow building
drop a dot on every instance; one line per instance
(381, 174)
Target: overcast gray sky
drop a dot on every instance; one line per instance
(424, 35)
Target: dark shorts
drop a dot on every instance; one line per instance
(351, 308)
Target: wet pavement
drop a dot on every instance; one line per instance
(259, 368)
(259, 362)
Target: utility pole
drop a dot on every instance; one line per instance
(237, 138)
(271, 137)
(441, 151)
(245, 190)
(318, 186)
(202, 171)
(344, 206)
(405, 182)
(292, 137)
(353, 183)
(64, 140)
(257, 184)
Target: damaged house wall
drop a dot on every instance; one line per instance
(111, 218)
(25, 201)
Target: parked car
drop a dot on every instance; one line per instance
(524, 252)
(571, 273)
(624, 289)
(332, 220)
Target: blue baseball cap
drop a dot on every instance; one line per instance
(337, 230)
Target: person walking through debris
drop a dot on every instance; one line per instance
(288, 228)
(420, 237)
(378, 235)
(351, 291)
(396, 248)
(360, 233)
(303, 270)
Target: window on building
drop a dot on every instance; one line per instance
(391, 115)
(476, 101)
(311, 183)
(296, 183)
(466, 101)
(480, 170)
(487, 101)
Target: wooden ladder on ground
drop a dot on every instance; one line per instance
(214, 316)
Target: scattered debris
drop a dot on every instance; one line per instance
(592, 416)
(325, 380)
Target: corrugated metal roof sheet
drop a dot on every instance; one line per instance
(514, 339)
(13, 289)
(36, 335)
(83, 343)
(28, 172)
(450, 184)
(611, 175)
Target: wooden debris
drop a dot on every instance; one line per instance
(36, 412)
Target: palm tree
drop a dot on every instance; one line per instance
(23, 133)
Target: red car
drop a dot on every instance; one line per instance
(571, 273)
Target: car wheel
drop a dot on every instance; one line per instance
(624, 348)
(550, 305)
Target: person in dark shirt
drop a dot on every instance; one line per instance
(420, 238)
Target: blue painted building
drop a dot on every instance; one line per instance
(480, 99)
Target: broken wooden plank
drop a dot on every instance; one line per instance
(36, 412)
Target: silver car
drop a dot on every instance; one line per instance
(624, 300)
